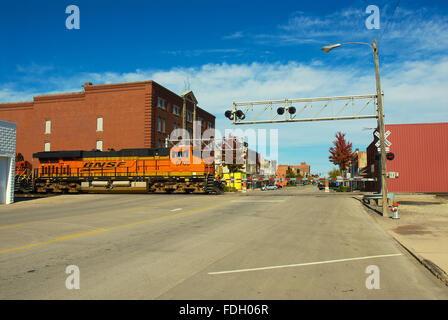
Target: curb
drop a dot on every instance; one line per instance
(428, 264)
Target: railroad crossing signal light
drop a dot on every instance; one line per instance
(240, 114)
(292, 110)
(229, 114)
(390, 156)
(280, 110)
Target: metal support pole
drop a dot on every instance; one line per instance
(382, 130)
(184, 114)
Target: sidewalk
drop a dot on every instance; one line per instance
(422, 229)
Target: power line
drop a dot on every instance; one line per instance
(388, 22)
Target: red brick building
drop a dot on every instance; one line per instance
(302, 170)
(122, 115)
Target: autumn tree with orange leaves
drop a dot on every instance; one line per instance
(341, 152)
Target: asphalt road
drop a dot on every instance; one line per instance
(297, 243)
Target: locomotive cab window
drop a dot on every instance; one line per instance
(180, 154)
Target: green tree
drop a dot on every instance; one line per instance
(291, 173)
(334, 173)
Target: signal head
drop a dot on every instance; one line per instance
(390, 156)
(229, 114)
(240, 114)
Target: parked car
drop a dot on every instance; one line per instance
(270, 187)
(332, 185)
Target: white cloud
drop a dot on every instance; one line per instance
(414, 92)
(235, 35)
(419, 33)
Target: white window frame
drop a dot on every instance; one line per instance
(99, 124)
(99, 145)
(161, 103)
(47, 146)
(47, 126)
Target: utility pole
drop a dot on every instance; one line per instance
(381, 127)
(380, 115)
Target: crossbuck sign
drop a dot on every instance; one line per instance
(388, 143)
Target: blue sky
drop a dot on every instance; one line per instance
(237, 51)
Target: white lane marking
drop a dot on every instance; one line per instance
(177, 209)
(260, 200)
(306, 264)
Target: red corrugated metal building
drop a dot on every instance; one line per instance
(421, 158)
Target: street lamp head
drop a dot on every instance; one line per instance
(331, 47)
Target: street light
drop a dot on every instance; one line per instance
(379, 97)
(329, 48)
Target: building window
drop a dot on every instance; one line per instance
(200, 121)
(189, 116)
(48, 126)
(160, 125)
(99, 124)
(176, 110)
(161, 103)
(209, 125)
(47, 146)
(99, 145)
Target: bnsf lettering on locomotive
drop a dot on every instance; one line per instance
(111, 164)
(99, 164)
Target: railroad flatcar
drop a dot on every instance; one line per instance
(177, 169)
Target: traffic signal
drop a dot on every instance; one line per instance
(390, 156)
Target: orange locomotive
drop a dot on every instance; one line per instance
(23, 174)
(175, 169)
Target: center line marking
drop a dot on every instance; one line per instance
(306, 264)
(177, 209)
(101, 230)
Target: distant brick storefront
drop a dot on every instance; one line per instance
(123, 115)
(302, 170)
